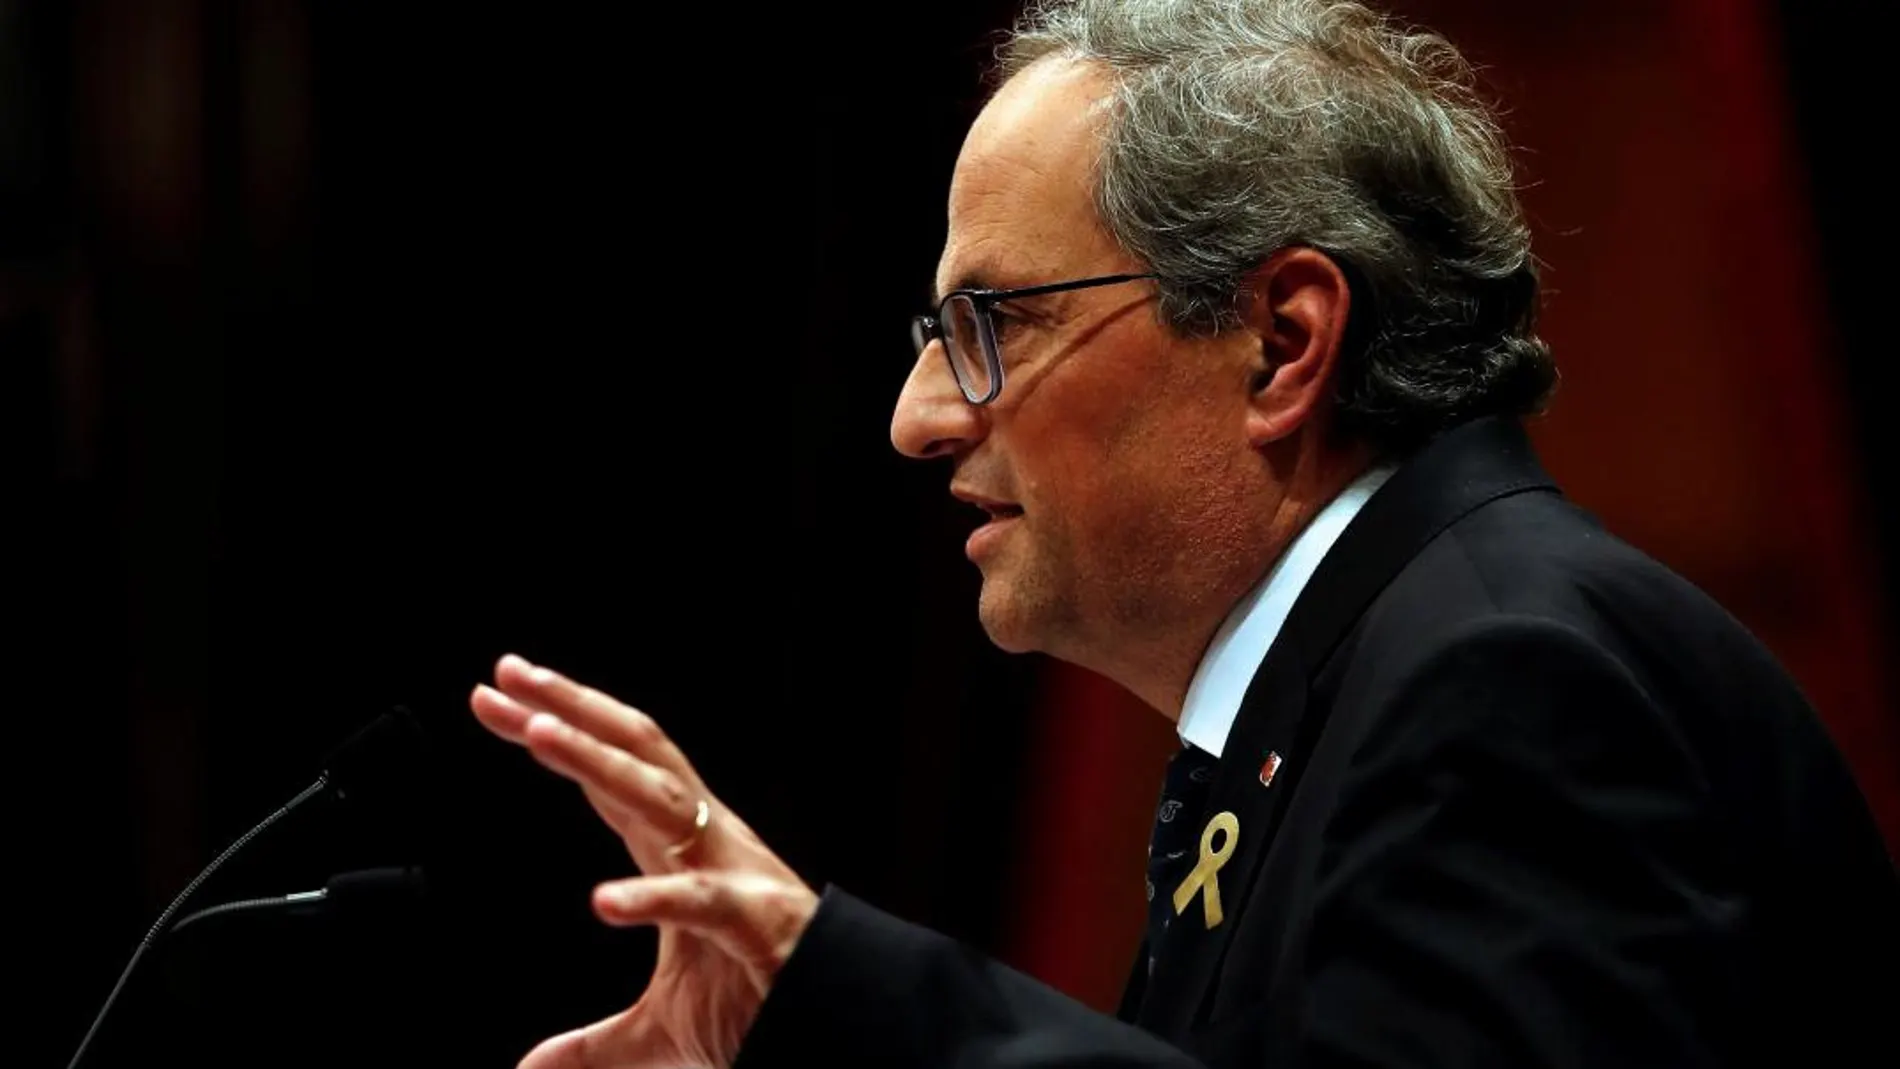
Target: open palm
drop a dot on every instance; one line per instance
(729, 910)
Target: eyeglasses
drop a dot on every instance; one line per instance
(964, 325)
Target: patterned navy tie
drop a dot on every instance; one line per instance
(1171, 850)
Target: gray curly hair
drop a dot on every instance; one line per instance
(1239, 127)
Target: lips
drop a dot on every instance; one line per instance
(1001, 513)
(1002, 517)
(1001, 521)
(998, 508)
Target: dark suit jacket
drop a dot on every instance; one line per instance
(1542, 803)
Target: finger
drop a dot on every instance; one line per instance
(625, 1039)
(755, 918)
(709, 903)
(654, 799)
(499, 713)
(508, 718)
(599, 714)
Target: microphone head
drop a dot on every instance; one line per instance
(385, 757)
(389, 885)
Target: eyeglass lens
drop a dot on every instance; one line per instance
(962, 335)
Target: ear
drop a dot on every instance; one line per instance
(1296, 307)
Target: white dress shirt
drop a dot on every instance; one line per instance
(1220, 682)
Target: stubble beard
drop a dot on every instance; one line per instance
(1133, 593)
(1027, 603)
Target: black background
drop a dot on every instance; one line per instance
(579, 341)
(576, 337)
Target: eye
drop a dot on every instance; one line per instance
(1009, 321)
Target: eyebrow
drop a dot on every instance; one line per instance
(974, 279)
(969, 280)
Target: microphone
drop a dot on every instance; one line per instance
(378, 760)
(345, 892)
(364, 764)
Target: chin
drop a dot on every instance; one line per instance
(1003, 619)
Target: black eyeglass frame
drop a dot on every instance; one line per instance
(925, 329)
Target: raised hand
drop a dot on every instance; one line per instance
(729, 911)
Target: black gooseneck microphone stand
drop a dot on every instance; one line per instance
(364, 756)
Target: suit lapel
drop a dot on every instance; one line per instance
(1460, 471)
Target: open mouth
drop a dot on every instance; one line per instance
(1003, 512)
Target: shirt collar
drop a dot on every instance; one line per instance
(1234, 655)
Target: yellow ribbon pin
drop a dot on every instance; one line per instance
(1206, 872)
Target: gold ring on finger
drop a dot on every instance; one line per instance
(702, 816)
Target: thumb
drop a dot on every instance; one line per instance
(627, 1040)
(757, 919)
(700, 901)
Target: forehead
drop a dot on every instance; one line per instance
(1022, 197)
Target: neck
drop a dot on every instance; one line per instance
(1157, 668)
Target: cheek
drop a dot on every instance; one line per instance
(1064, 466)
(1137, 486)
(1130, 452)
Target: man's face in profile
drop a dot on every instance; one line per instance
(1122, 445)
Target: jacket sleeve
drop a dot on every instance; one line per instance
(864, 988)
(1522, 869)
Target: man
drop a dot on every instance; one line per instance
(1234, 328)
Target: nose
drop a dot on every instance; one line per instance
(932, 417)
